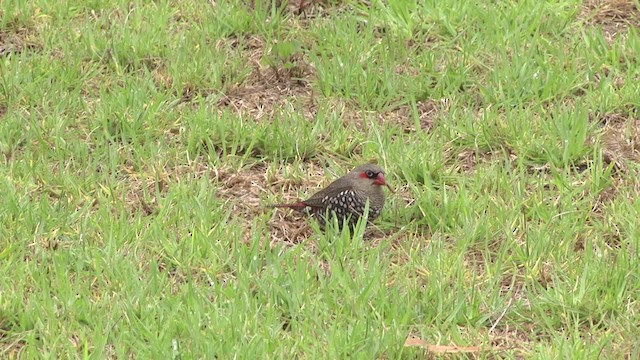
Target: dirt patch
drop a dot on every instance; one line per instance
(287, 228)
(421, 117)
(619, 138)
(614, 16)
(280, 79)
(268, 91)
(468, 159)
(15, 41)
(621, 144)
(244, 189)
(241, 189)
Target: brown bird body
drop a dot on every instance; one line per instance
(346, 197)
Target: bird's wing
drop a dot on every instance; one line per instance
(317, 199)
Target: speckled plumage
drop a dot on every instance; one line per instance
(347, 196)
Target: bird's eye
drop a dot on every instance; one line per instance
(370, 174)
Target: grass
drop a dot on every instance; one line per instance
(140, 141)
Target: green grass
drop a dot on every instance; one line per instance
(138, 143)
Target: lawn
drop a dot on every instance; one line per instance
(141, 142)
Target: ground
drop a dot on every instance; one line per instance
(142, 142)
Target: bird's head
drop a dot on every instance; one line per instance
(371, 174)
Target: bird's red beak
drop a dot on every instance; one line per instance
(380, 181)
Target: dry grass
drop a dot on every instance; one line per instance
(614, 16)
(270, 89)
(422, 118)
(244, 189)
(620, 140)
(15, 41)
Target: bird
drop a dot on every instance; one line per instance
(345, 198)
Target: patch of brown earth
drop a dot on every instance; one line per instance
(286, 228)
(614, 16)
(15, 41)
(620, 140)
(283, 83)
(243, 191)
(422, 117)
(276, 82)
(468, 159)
